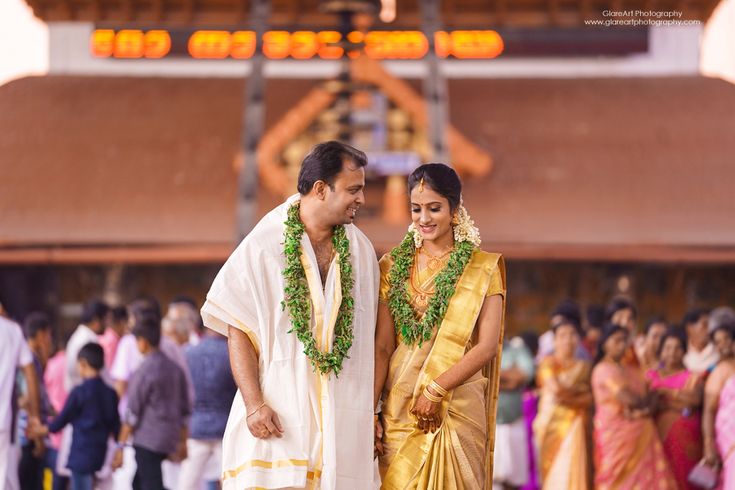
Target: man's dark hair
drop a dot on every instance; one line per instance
(36, 322)
(144, 306)
(148, 327)
(119, 314)
(324, 162)
(693, 316)
(93, 354)
(618, 304)
(94, 310)
(182, 298)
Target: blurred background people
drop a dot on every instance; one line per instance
(562, 426)
(511, 468)
(628, 452)
(678, 406)
(701, 355)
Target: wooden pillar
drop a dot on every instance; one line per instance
(253, 122)
(435, 85)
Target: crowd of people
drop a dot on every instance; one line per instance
(132, 399)
(593, 403)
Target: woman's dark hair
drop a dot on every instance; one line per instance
(568, 322)
(119, 314)
(609, 330)
(93, 354)
(324, 162)
(595, 316)
(618, 304)
(569, 310)
(530, 338)
(148, 327)
(673, 333)
(442, 179)
(655, 321)
(726, 325)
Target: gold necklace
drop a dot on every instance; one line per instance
(435, 262)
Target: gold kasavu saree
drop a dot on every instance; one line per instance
(460, 454)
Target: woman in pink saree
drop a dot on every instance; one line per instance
(719, 408)
(678, 416)
(628, 452)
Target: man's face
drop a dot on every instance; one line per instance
(344, 198)
(697, 332)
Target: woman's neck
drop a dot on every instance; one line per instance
(440, 244)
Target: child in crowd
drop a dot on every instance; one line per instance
(91, 409)
(158, 409)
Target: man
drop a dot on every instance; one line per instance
(117, 325)
(37, 329)
(92, 324)
(701, 354)
(14, 354)
(180, 323)
(304, 411)
(214, 389)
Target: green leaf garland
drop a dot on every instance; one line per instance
(296, 294)
(408, 326)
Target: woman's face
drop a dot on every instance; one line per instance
(653, 337)
(672, 353)
(723, 342)
(616, 344)
(430, 213)
(566, 340)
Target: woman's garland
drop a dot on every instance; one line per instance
(410, 329)
(296, 294)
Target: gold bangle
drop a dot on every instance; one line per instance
(254, 411)
(438, 389)
(431, 397)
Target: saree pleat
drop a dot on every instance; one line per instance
(459, 454)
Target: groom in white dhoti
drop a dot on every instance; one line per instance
(298, 301)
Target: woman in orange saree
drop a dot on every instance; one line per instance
(562, 426)
(628, 452)
(438, 340)
(678, 411)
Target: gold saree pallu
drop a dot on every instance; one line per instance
(437, 460)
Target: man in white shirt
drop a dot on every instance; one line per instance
(701, 353)
(92, 324)
(14, 354)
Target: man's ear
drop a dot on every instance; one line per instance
(320, 189)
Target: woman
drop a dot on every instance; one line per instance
(648, 353)
(679, 399)
(562, 426)
(718, 422)
(439, 330)
(628, 452)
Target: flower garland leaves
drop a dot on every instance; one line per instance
(411, 329)
(296, 293)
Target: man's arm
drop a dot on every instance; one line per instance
(34, 392)
(262, 421)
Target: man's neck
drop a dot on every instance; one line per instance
(317, 230)
(698, 349)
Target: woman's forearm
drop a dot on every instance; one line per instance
(472, 362)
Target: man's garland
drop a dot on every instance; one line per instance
(296, 294)
(410, 329)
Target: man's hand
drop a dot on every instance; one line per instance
(264, 423)
(180, 454)
(378, 437)
(39, 447)
(117, 459)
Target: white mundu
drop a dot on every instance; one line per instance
(327, 441)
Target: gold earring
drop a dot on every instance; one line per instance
(455, 220)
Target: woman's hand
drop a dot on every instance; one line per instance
(427, 413)
(711, 456)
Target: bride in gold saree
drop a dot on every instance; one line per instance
(438, 342)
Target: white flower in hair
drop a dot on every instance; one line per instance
(465, 229)
(418, 240)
